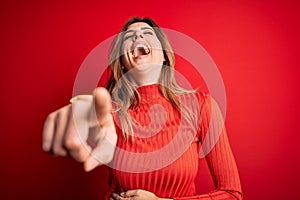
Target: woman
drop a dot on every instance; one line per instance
(158, 125)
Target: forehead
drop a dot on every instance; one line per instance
(138, 25)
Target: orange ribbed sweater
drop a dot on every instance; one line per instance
(162, 156)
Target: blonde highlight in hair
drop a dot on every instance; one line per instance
(123, 91)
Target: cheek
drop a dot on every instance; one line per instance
(124, 55)
(155, 43)
(158, 49)
(125, 47)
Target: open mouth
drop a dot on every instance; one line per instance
(140, 50)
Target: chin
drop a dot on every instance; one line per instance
(142, 62)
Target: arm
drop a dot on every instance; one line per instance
(220, 159)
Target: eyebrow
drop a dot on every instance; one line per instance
(143, 28)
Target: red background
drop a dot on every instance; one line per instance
(255, 45)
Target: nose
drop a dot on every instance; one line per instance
(137, 35)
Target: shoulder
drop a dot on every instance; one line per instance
(197, 101)
(202, 98)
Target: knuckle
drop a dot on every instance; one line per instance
(58, 150)
(74, 147)
(80, 156)
(51, 117)
(72, 143)
(58, 112)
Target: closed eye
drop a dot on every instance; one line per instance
(127, 37)
(148, 33)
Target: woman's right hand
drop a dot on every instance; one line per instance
(85, 130)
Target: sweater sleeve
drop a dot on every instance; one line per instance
(219, 158)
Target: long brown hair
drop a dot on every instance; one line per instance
(121, 92)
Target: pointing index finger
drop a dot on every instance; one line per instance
(102, 105)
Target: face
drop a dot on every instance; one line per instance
(141, 46)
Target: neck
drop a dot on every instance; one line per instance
(145, 74)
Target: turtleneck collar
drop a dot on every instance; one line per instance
(149, 92)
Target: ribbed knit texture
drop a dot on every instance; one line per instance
(162, 157)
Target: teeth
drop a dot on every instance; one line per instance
(140, 49)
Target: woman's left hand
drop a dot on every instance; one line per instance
(135, 195)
